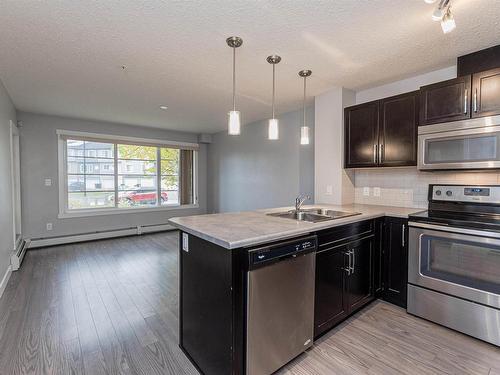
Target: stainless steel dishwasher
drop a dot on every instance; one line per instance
(280, 304)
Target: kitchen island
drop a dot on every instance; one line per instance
(217, 257)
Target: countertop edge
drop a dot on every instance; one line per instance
(255, 241)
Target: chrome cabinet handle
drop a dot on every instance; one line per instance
(353, 260)
(375, 148)
(475, 100)
(381, 154)
(403, 230)
(465, 102)
(348, 268)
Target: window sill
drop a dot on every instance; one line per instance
(117, 211)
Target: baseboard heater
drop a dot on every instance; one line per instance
(98, 235)
(17, 257)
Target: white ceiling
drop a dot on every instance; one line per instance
(65, 57)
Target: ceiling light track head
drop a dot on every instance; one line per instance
(305, 73)
(273, 59)
(234, 41)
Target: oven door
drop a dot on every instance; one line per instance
(462, 265)
(442, 148)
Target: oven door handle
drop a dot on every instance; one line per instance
(445, 228)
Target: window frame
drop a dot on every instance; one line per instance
(65, 212)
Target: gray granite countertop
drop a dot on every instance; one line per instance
(243, 229)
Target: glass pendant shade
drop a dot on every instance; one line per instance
(304, 135)
(233, 123)
(273, 129)
(448, 23)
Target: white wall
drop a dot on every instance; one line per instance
(39, 161)
(248, 171)
(7, 114)
(332, 183)
(405, 85)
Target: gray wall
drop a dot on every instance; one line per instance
(7, 113)
(249, 171)
(39, 161)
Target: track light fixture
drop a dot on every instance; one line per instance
(442, 13)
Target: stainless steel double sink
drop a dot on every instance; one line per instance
(313, 215)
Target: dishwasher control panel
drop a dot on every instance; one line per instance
(282, 250)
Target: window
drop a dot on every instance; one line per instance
(116, 173)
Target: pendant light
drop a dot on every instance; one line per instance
(234, 119)
(273, 127)
(304, 129)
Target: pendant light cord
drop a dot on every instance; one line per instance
(234, 79)
(304, 102)
(274, 84)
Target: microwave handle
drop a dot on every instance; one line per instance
(375, 148)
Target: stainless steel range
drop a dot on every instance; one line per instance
(454, 260)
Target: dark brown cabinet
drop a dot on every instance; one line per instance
(330, 301)
(445, 101)
(344, 273)
(382, 133)
(359, 281)
(398, 130)
(486, 93)
(395, 260)
(361, 135)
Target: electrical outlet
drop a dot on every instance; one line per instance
(49, 226)
(329, 189)
(376, 192)
(48, 182)
(366, 191)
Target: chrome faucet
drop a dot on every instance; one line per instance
(299, 201)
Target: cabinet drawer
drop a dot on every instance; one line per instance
(346, 233)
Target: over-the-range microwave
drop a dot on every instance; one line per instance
(467, 144)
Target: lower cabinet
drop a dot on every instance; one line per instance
(344, 279)
(355, 264)
(395, 260)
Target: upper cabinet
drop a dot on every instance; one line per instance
(462, 98)
(445, 101)
(398, 130)
(361, 135)
(382, 133)
(486, 93)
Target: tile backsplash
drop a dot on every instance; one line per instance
(408, 187)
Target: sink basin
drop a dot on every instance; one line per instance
(313, 215)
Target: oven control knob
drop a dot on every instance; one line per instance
(438, 192)
(449, 193)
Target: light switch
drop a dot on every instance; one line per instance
(48, 182)
(376, 192)
(366, 191)
(329, 189)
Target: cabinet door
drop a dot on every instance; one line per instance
(378, 272)
(395, 261)
(446, 101)
(486, 93)
(398, 130)
(361, 135)
(330, 304)
(360, 281)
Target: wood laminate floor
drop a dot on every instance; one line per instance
(110, 307)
